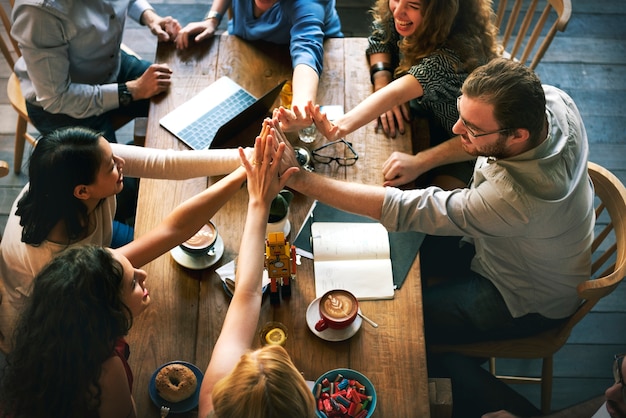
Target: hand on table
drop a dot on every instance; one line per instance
(396, 117)
(292, 119)
(203, 30)
(401, 168)
(155, 80)
(165, 28)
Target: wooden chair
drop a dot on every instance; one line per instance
(11, 52)
(608, 270)
(522, 21)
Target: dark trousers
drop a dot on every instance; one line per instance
(465, 307)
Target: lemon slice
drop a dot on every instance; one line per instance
(275, 336)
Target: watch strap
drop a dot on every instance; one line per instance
(124, 95)
(214, 15)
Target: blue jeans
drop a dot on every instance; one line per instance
(466, 307)
(130, 69)
(122, 234)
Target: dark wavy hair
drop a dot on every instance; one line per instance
(68, 329)
(464, 26)
(61, 160)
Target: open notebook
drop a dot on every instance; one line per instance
(217, 113)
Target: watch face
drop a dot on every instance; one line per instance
(126, 99)
(125, 96)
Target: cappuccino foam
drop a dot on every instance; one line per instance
(338, 306)
(202, 239)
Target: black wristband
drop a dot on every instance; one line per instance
(124, 95)
(379, 66)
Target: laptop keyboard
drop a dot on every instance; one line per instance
(200, 133)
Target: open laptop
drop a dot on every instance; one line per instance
(217, 113)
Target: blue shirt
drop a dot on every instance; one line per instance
(303, 24)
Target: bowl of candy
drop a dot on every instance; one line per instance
(344, 393)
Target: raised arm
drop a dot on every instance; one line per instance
(242, 317)
(172, 164)
(184, 221)
(395, 93)
(362, 199)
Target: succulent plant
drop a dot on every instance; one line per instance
(280, 206)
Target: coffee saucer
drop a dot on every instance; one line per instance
(201, 261)
(330, 334)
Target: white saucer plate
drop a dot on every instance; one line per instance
(330, 334)
(199, 262)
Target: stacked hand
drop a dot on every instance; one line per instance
(292, 119)
(323, 125)
(267, 175)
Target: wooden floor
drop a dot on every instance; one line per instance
(588, 61)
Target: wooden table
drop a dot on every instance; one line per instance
(188, 307)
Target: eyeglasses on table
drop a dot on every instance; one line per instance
(336, 151)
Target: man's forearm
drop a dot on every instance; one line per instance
(362, 199)
(447, 152)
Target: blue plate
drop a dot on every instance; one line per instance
(176, 407)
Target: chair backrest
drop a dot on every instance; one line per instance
(526, 18)
(608, 248)
(8, 45)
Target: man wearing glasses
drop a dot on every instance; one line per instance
(517, 241)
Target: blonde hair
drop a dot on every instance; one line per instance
(264, 384)
(464, 26)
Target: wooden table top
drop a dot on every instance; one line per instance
(188, 306)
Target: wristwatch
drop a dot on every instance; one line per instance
(124, 95)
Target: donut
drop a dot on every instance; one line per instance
(176, 382)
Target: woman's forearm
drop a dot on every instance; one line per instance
(395, 93)
(143, 162)
(304, 86)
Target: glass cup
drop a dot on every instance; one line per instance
(274, 333)
(308, 134)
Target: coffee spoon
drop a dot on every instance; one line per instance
(369, 321)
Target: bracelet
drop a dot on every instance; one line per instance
(214, 15)
(379, 66)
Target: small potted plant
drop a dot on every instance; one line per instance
(278, 219)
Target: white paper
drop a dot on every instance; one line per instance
(354, 257)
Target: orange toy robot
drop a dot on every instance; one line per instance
(280, 263)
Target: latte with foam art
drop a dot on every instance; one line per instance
(202, 240)
(338, 305)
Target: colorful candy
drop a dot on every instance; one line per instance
(342, 398)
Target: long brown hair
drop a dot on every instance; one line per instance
(464, 26)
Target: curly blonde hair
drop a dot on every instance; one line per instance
(464, 26)
(264, 384)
